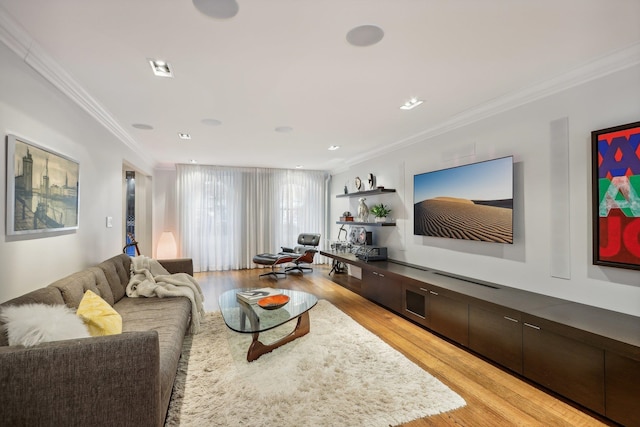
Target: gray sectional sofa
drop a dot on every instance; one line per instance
(116, 380)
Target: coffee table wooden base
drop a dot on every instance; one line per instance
(257, 349)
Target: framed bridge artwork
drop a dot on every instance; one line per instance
(42, 189)
(616, 196)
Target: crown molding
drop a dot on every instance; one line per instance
(22, 44)
(165, 167)
(615, 61)
(12, 35)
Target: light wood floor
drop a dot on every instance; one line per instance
(494, 397)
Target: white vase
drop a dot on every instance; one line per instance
(381, 219)
(363, 210)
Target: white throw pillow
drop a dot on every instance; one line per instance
(32, 324)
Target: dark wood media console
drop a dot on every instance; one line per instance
(587, 354)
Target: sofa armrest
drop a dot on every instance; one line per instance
(180, 265)
(99, 381)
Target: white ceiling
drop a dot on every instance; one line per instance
(287, 63)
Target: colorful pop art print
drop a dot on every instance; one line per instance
(616, 196)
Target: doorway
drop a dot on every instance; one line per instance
(131, 245)
(137, 212)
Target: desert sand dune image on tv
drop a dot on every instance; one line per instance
(471, 202)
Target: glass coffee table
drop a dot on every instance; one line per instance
(248, 318)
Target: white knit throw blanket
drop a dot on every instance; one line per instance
(150, 279)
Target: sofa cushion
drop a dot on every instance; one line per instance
(170, 318)
(116, 270)
(32, 324)
(51, 296)
(75, 285)
(103, 285)
(99, 317)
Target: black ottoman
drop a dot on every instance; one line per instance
(273, 260)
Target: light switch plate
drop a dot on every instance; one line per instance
(109, 221)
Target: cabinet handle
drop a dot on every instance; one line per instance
(415, 314)
(424, 290)
(531, 326)
(511, 319)
(375, 273)
(433, 293)
(381, 275)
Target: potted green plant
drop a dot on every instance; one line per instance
(380, 211)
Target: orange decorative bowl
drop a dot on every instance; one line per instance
(273, 302)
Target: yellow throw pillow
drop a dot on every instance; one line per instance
(99, 316)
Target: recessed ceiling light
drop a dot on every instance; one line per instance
(284, 129)
(299, 166)
(334, 147)
(410, 104)
(183, 135)
(221, 9)
(211, 122)
(161, 68)
(365, 35)
(142, 126)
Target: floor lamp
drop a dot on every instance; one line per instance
(167, 247)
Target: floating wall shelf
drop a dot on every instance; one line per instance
(370, 224)
(367, 193)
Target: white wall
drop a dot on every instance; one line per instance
(33, 109)
(523, 132)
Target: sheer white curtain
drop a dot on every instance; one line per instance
(227, 215)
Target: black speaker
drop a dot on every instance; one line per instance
(369, 240)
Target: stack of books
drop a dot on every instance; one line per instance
(253, 295)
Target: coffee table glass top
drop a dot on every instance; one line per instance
(251, 318)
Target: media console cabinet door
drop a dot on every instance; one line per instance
(622, 389)
(382, 288)
(497, 335)
(566, 366)
(414, 302)
(449, 316)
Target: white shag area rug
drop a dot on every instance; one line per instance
(339, 374)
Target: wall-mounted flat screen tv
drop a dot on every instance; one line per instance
(469, 202)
